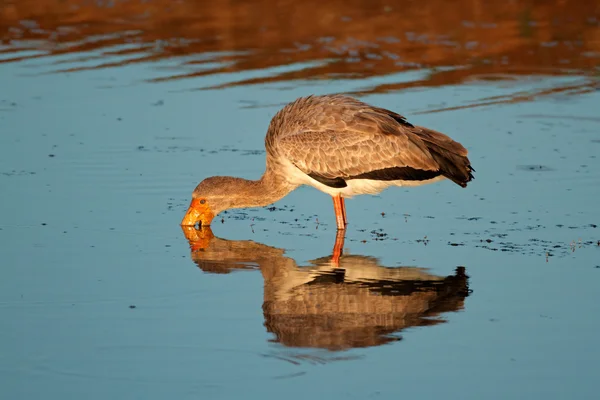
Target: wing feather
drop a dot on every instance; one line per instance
(355, 150)
(336, 137)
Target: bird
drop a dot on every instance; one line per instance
(341, 146)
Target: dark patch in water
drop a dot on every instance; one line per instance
(185, 149)
(537, 247)
(541, 168)
(379, 234)
(470, 218)
(425, 241)
(17, 173)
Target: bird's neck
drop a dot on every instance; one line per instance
(268, 189)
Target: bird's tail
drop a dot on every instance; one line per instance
(451, 156)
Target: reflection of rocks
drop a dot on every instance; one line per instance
(353, 302)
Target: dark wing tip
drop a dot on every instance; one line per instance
(398, 173)
(331, 182)
(470, 176)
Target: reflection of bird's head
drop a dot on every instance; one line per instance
(198, 239)
(221, 256)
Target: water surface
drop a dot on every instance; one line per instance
(110, 114)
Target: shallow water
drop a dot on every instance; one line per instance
(485, 292)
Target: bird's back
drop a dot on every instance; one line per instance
(316, 113)
(339, 137)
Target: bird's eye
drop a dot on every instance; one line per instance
(202, 201)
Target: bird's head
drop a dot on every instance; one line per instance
(210, 197)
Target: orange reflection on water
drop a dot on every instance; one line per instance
(350, 39)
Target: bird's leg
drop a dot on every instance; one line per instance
(338, 247)
(339, 216)
(343, 202)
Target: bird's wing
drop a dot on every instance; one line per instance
(332, 146)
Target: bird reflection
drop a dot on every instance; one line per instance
(336, 302)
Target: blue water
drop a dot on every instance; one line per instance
(101, 296)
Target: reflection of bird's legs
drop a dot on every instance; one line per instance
(338, 207)
(343, 203)
(338, 247)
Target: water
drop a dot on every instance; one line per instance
(110, 114)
